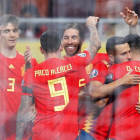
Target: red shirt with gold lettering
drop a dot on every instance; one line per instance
(120, 120)
(11, 73)
(98, 57)
(55, 84)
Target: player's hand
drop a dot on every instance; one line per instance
(131, 79)
(32, 113)
(27, 55)
(92, 21)
(101, 103)
(131, 18)
(138, 107)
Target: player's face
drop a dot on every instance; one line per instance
(122, 53)
(8, 36)
(71, 42)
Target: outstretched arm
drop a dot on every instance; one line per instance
(22, 117)
(131, 18)
(97, 90)
(95, 43)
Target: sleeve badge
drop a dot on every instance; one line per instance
(82, 54)
(94, 73)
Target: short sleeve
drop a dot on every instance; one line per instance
(99, 72)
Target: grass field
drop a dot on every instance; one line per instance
(35, 44)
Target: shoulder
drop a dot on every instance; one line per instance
(106, 63)
(102, 64)
(118, 66)
(20, 54)
(63, 57)
(98, 57)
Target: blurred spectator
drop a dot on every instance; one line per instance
(102, 7)
(28, 30)
(42, 6)
(29, 10)
(71, 8)
(137, 7)
(111, 9)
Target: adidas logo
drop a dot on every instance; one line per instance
(11, 67)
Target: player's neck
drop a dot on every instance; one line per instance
(67, 55)
(135, 55)
(10, 53)
(52, 55)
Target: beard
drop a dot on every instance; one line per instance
(74, 53)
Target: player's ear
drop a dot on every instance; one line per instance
(41, 50)
(111, 58)
(61, 48)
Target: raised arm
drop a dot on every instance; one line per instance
(28, 64)
(95, 43)
(131, 18)
(27, 57)
(22, 117)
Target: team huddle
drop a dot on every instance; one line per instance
(80, 96)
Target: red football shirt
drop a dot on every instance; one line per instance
(120, 120)
(98, 57)
(55, 85)
(100, 71)
(11, 73)
(97, 70)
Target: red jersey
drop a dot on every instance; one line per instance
(11, 73)
(98, 57)
(55, 85)
(97, 70)
(100, 71)
(121, 120)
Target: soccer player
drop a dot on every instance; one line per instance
(12, 66)
(119, 119)
(55, 87)
(116, 54)
(73, 38)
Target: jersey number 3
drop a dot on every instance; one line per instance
(63, 91)
(11, 83)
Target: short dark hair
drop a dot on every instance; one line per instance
(50, 41)
(134, 41)
(111, 42)
(7, 18)
(77, 27)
